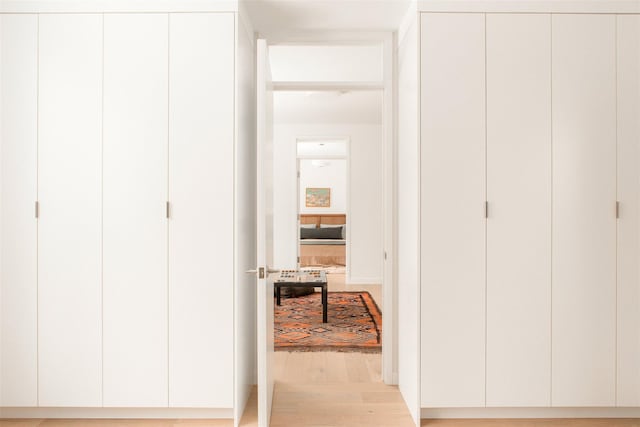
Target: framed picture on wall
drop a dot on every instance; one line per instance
(318, 198)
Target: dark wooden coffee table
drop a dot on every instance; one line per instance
(303, 279)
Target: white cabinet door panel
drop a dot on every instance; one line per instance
(18, 193)
(452, 210)
(519, 225)
(135, 225)
(69, 228)
(201, 176)
(629, 222)
(584, 223)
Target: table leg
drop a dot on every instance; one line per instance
(324, 304)
(278, 295)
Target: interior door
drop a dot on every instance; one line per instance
(134, 216)
(519, 224)
(628, 305)
(70, 199)
(18, 224)
(452, 216)
(264, 210)
(200, 146)
(584, 217)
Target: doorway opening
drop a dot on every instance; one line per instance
(323, 190)
(306, 91)
(338, 219)
(333, 208)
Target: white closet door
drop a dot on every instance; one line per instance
(452, 209)
(18, 193)
(201, 176)
(69, 233)
(629, 222)
(584, 222)
(519, 195)
(135, 224)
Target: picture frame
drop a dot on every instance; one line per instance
(318, 197)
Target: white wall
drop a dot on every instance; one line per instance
(324, 148)
(408, 221)
(364, 234)
(332, 175)
(365, 225)
(326, 63)
(305, 107)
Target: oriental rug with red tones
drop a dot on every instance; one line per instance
(354, 323)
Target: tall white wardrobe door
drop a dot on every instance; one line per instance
(135, 224)
(629, 221)
(201, 176)
(69, 227)
(584, 221)
(452, 210)
(18, 193)
(519, 225)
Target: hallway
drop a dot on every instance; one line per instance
(331, 389)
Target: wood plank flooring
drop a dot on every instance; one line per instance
(331, 389)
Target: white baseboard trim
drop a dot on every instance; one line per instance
(363, 280)
(462, 413)
(149, 413)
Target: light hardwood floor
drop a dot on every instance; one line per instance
(331, 389)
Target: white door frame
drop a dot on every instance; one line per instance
(386, 39)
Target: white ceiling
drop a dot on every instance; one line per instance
(280, 16)
(328, 107)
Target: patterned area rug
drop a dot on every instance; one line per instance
(354, 323)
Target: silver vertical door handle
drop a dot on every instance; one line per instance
(168, 210)
(37, 209)
(617, 210)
